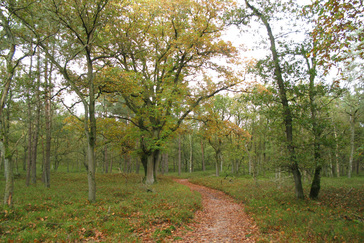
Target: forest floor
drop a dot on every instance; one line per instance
(221, 219)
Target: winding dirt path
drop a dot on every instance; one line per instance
(220, 220)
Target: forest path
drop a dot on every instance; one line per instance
(220, 220)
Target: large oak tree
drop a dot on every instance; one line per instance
(166, 49)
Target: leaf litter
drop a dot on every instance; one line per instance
(220, 220)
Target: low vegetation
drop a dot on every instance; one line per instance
(129, 211)
(338, 215)
(126, 210)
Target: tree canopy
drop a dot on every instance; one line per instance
(147, 71)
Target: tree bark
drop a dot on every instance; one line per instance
(316, 182)
(6, 155)
(202, 155)
(48, 126)
(34, 145)
(191, 154)
(250, 160)
(30, 127)
(218, 155)
(9, 177)
(111, 163)
(90, 129)
(287, 114)
(153, 160)
(9, 74)
(352, 144)
(179, 155)
(218, 162)
(106, 160)
(336, 152)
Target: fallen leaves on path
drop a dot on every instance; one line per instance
(220, 220)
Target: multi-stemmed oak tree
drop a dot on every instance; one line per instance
(166, 49)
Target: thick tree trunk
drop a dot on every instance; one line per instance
(149, 179)
(316, 183)
(152, 166)
(144, 160)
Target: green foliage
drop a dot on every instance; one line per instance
(125, 210)
(336, 217)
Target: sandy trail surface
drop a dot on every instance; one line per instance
(220, 220)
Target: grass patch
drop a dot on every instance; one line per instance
(123, 212)
(336, 217)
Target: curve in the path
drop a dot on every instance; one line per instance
(220, 220)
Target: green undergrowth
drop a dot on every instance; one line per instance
(337, 216)
(125, 209)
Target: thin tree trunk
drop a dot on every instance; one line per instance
(191, 153)
(202, 155)
(9, 177)
(331, 173)
(316, 182)
(166, 163)
(36, 127)
(125, 163)
(48, 126)
(250, 160)
(352, 144)
(111, 163)
(106, 160)
(179, 155)
(7, 157)
(287, 115)
(4, 133)
(91, 171)
(218, 162)
(90, 129)
(336, 152)
(157, 159)
(30, 127)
